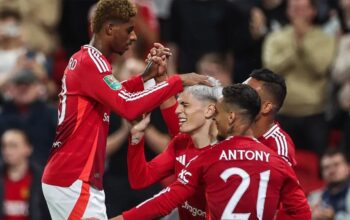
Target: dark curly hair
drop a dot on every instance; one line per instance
(115, 10)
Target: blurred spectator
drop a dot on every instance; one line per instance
(303, 54)
(243, 44)
(10, 42)
(341, 75)
(332, 202)
(197, 27)
(24, 108)
(20, 180)
(15, 55)
(250, 22)
(217, 66)
(40, 18)
(268, 16)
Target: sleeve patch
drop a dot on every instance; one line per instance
(112, 82)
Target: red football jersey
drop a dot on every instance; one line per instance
(280, 142)
(243, 179)
(16, 198)
(89, 92)
(179, 152)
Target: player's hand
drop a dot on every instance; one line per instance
(138, 130)
(159, 50)
(158, 55)
(190, 79)
(257, 24)
(119, 217)
(141, 126)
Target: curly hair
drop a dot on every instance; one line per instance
(117, 10)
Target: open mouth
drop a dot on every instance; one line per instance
(182, 121)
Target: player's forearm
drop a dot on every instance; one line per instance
(141, 173)
(137, 165)
(161, 204)
(171, 118)
(132, 105)
(134, 84)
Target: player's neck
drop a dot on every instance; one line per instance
(17, 172)
(97, 42)
(202, 137)
(241, 130)
(262, 125)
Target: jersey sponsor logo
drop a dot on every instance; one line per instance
(193, 210)
(182, 159)
(183, 176)
(112, 82)
(105, 117)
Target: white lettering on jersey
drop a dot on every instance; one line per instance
(194, 211)
(244, 155)
(183, 176)
(105, 117)
(182, 159)
(72, 64)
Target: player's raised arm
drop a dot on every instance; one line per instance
(140, 172)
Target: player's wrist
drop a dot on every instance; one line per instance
(136, 137)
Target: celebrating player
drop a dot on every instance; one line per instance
(243, 179)
(272, 92)
(72, 180)
(195, 111)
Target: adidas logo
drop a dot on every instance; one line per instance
(182, 159)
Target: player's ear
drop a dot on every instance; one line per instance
(109, 26)
(266, 107)
(231, 117)
(210, 111)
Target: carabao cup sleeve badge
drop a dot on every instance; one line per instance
(112, 82)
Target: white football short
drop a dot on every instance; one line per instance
(80, 200)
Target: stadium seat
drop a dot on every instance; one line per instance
(307, 170)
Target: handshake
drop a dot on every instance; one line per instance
(156, 68)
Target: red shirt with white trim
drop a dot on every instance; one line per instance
(243, 179)
(280, 142)
(89, 92)
(179, 152)
(16, 198)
